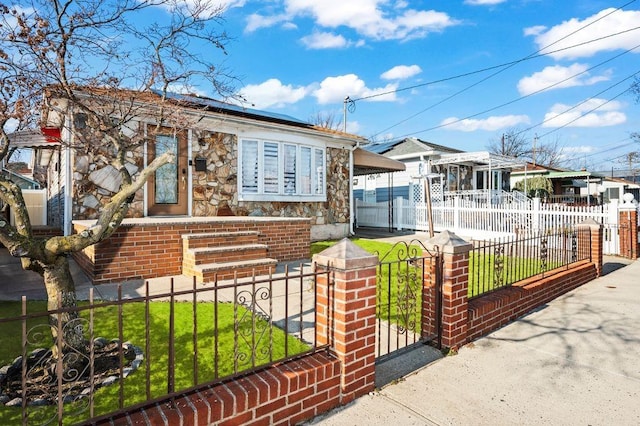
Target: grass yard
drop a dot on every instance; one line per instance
(484, 276)
(395, 272)
(106, 325)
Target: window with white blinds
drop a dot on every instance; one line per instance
(281, 171)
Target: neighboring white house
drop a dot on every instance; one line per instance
(451, 171)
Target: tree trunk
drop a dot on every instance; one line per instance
(61, 292)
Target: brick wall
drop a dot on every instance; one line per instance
(150, 248)
(285, 394)
(464, 320)
(492, 311)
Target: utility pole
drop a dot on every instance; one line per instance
(347, 99)
(533, 153)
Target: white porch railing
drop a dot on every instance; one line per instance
(481, 220)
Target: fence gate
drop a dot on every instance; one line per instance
(408, 308)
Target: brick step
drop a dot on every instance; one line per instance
(228, 270)
(217, 239)
(201, 255)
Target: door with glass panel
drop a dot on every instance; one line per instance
(168, 186)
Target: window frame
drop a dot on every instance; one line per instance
(318, 181)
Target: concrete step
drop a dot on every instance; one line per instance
(217, 239)
(201, 255)
(208, 272)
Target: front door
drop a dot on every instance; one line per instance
(168, 186)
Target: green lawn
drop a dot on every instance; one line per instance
(398, 281)
(106, 325)
(484, 275)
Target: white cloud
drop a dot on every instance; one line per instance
(375, 19)
(401, 72)
(334, 89)
(491, 123)
(272, 93)
(256, 21)
(615, 22)
(353, 127)
(186, 90)
(593, 113)
(322, 40)
(11, 125)
(483, 2)
(557, 77)
(568, 150)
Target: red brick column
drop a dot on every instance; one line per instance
(628, 228)
(590, 240)
(346, 314)
(455, 287)
(430, 296)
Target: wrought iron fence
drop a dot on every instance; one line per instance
(407, 311)
(131, 351)
(502, 262)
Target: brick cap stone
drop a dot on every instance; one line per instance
(591, 223)
(345, 255)
(448, 242)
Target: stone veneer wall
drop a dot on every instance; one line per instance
(95, 181)
(215, 192)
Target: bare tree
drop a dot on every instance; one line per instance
(512, 143)
(326, 120)
(92, 59)
(516, 143)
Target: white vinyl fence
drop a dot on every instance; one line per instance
(482, 220)
(36, 201)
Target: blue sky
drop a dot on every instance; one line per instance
(302, 57)
(454, 72)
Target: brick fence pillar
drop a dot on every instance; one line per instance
(590, 240)
(455, 287)
(346, 313)
(628, 227)
(430, 319)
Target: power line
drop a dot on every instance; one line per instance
(522, 97)
(581, 103)
(477, 83)
(603, 151)
(502, 67)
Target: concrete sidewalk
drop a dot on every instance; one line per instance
(574, 361)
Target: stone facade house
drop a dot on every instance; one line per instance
(236, 162)
(263, 184)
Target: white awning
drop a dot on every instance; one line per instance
(36, 138)
(483, 160)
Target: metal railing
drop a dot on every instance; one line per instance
(143, 349)
(502, 262)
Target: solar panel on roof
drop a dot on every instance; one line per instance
(379, 148)
(231, 107)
